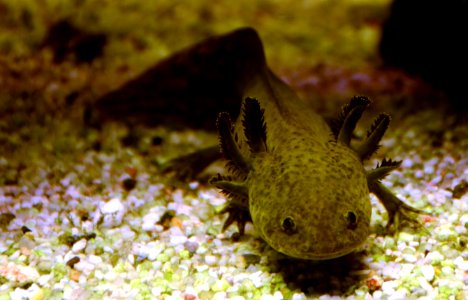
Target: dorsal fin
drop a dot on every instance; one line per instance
(254, 125)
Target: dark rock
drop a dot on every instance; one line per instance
(67, 40)
(428, 39)
(189, 88)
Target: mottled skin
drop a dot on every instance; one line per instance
(298, 180)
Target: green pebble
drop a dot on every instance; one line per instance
(162, 257)
(389, 242)
(409, 250)
(447, 263)
(114, 260)
(445, 292)
(410, 282)
(213, 231)
(169, 251)
(201, 249)
(98, 251)
(220, 285)
(145, 266)
(405, 237)
(38, 253)
(168, 275)
(135, 283)
(119, 267)
(246, 286)
(60, 270)
(184, 254)
(266, 288)
(45, 266)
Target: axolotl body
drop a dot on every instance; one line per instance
(297, 179)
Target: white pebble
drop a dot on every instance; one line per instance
(73, 192)
(219, 296)
(405, 237)
(388, 287)
(298, 297)
(278, 295)
(428, 169)
(44, 279)
(464, 219)
(237, 298)
(428, 272)
(78, 246)
(108, 249)
(150, 220)
(153, 249)
(113, 212)
(113, 206)
(87, 226)
(127, 233)
(445, 233)
(406, 163)
(425, 285)
(434, 257)
(85, 267)
(419, 174)
(210, 260)
(461, 263)
(94, 259)
(177, 240)
(409, 258)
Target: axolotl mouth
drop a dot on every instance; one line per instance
(307, 249)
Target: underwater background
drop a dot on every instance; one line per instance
(86, 213)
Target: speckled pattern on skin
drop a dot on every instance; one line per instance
(297, 179)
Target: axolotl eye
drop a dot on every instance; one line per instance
(351, 220)
(288, 225)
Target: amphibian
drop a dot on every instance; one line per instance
(295, 177)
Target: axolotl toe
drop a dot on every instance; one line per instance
(299, 180)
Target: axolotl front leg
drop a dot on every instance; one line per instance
(234, 186)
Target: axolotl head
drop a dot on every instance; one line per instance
(310, 203)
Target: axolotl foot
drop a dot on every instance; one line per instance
(400, 214)
(238, 205)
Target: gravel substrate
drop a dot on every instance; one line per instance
(85, 217)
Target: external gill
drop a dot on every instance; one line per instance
(237, 191)
(398, 212)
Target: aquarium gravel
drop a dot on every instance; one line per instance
(72, 227)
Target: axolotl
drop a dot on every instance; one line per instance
(297, 178)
